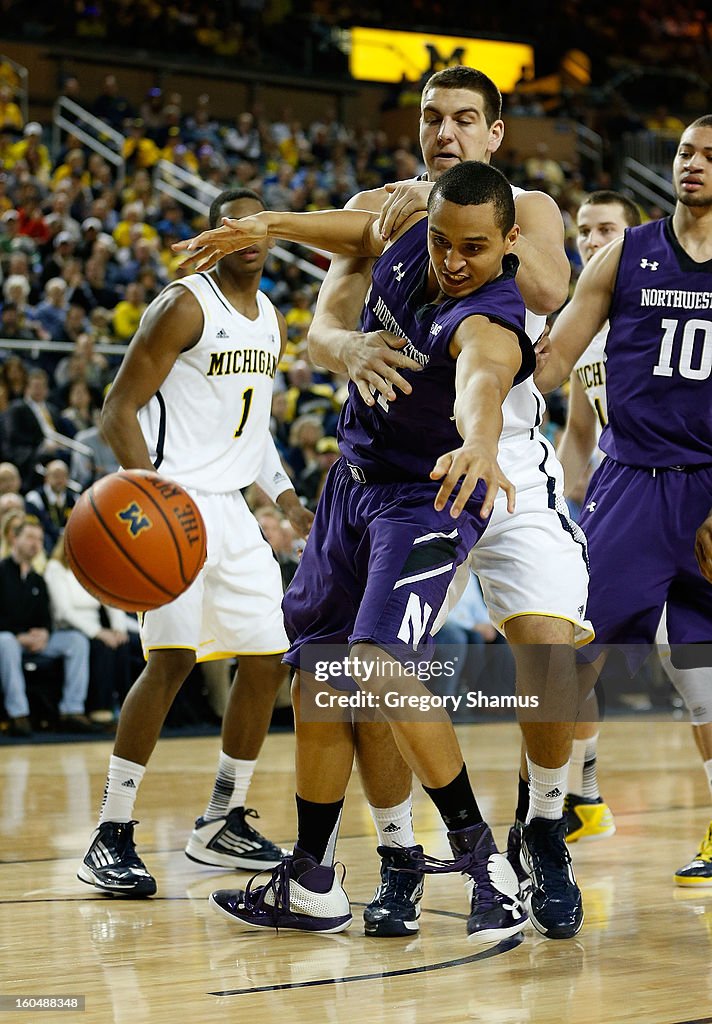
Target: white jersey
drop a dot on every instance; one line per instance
(523, 408)
(591, 371)
(208, 425)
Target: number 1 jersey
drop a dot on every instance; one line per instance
(208, 424)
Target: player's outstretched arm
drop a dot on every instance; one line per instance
(171, 324)
(584, 316)
(703, 548)
(488, 359)
(578, 441)
(371, 360)
(544, 269)
(346, 232)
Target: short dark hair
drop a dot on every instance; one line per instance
(631, 213)
(462, 77)
(702, 122)
(231, 195)
(473, 183)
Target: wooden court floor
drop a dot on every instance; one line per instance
(644, 954)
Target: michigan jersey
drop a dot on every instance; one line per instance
(524, 406)
(591, 372)
(208, 424)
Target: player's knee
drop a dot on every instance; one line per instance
(169, 669)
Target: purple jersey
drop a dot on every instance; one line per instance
(659, 354)
(402, 440)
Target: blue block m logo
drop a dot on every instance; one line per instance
(136, 518)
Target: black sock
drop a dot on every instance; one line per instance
(456, 802)
(522, 800)
(316, 826)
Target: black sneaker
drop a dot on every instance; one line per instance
(231, 842)
(395, 907)
(514, 848)
(112, 865)
(554, 903)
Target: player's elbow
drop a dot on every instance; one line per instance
(549, 296)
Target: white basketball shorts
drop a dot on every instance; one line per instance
(534, 561)
(234, 606)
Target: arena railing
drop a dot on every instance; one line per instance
(96, 134)
(646, 185)
(186, 188)
(589, 144)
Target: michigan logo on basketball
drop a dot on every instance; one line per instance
(135, 517)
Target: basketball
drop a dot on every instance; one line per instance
(135, 540)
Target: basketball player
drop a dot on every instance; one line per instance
(601, 218)
(531, 564)
(652, 492)
(387, 537)
(192, 400)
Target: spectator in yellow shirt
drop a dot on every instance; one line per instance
(137, 150)
(129, 311)
(10, 114)
(31, 151)
(131, 225)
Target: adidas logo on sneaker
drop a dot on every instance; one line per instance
(129, 784)
(391, 828)
(553, 793)
(222, 333)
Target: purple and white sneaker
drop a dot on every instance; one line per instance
(496, 912)
(301, 894)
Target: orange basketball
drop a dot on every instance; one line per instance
(135, 540)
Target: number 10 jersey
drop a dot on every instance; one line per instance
(659, 353)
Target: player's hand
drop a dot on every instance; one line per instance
(300, 518)
(542, 350)
(470, 465)
(372, 363)
(405, 199)
(703, 548)
(205, 249)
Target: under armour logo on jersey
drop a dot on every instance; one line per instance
(222, 333)
(397, 270)
(647, 264)
(591, 507)
(436, 329)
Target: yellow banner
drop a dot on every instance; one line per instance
(378, 55)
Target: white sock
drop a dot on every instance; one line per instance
(708, 769)
(394, 825)
(578, 756)
(590, 771)
(244, 770)
(230, 787)
(121, 788)
(547, 787)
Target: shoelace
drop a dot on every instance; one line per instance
(125, 846)
(398, 882)
(250, 812)
(278, 884)
(549, 866)
(483, 891)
